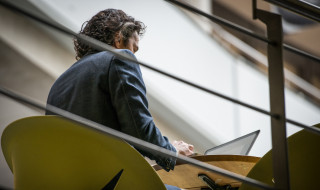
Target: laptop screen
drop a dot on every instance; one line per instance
(238, 146)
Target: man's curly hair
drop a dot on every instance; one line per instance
(104, 26)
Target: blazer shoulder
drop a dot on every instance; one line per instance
(126, 52)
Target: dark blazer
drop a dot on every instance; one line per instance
(110, 91)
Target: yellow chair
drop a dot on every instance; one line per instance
(48, 152)
(304, 165)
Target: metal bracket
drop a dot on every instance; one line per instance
(277, 98)
(254, 8)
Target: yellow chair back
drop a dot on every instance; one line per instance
(304, 165)
(48, 152)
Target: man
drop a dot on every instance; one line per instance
(108, 90)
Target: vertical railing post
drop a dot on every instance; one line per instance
(277, 99)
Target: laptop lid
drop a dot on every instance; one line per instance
(238, 146)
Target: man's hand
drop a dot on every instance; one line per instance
(183, 148)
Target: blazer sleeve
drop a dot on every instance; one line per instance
(128, 95)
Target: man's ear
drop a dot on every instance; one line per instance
(117, 40)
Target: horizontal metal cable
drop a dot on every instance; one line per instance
(308, 128)
(307, 9)
(220, 20)
(300, 52)
(144, 145)
(246, 31)
(104, 47)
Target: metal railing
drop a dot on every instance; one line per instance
(275, 116)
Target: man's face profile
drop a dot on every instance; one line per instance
(132, 44)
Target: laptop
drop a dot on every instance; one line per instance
(238, 146)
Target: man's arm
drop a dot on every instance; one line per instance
(128, 95)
